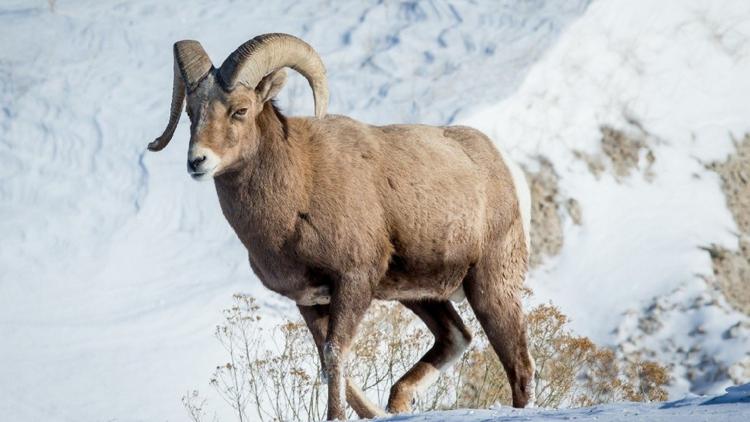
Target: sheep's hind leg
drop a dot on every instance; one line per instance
(319, 295)
(492, 288)
(316, 318)
(451, 339)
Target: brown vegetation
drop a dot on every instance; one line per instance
(284, 383)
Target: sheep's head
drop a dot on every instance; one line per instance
(223, 103)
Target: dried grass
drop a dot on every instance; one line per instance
(285, 383)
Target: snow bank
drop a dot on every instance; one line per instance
(732, 406)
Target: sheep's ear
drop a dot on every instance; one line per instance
(270, 85)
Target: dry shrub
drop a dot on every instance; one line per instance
(283, 383)
(195, 406)
(570, 370)
(478, 376)
(388, 344)
(558, 355)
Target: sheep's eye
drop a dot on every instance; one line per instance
(240, 112)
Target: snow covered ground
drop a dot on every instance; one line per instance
(114, 265)
(734, 405)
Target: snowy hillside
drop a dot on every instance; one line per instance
(670, 79)
(115, 265)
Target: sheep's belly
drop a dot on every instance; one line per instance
(446, 285)
(404, 286)
(421, 293)
(321, 295)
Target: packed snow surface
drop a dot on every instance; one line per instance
(732, 406)
(114, 265)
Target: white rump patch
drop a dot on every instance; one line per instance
(522, 193)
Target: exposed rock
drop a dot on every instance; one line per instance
(735, 182)
(732, 267)
(546, 212)
(732, 273)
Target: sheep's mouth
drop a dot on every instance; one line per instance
(201, 176)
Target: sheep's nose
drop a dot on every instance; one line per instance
(195, 162)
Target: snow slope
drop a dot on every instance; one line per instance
(114, 264)
(674, 73)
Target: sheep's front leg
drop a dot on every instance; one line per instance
(350, 298)
(316, 318)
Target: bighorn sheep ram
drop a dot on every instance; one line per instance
(335, 213)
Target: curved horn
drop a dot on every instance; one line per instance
(191, 65)
(267, 53)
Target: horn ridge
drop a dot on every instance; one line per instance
(266, 53)
(191, 66)
(194, 63)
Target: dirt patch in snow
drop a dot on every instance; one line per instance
(735, 181)
(732, 267)
(548, 207)
(732, 273)
(622, 153)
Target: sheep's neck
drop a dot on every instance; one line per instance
(263, 198)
